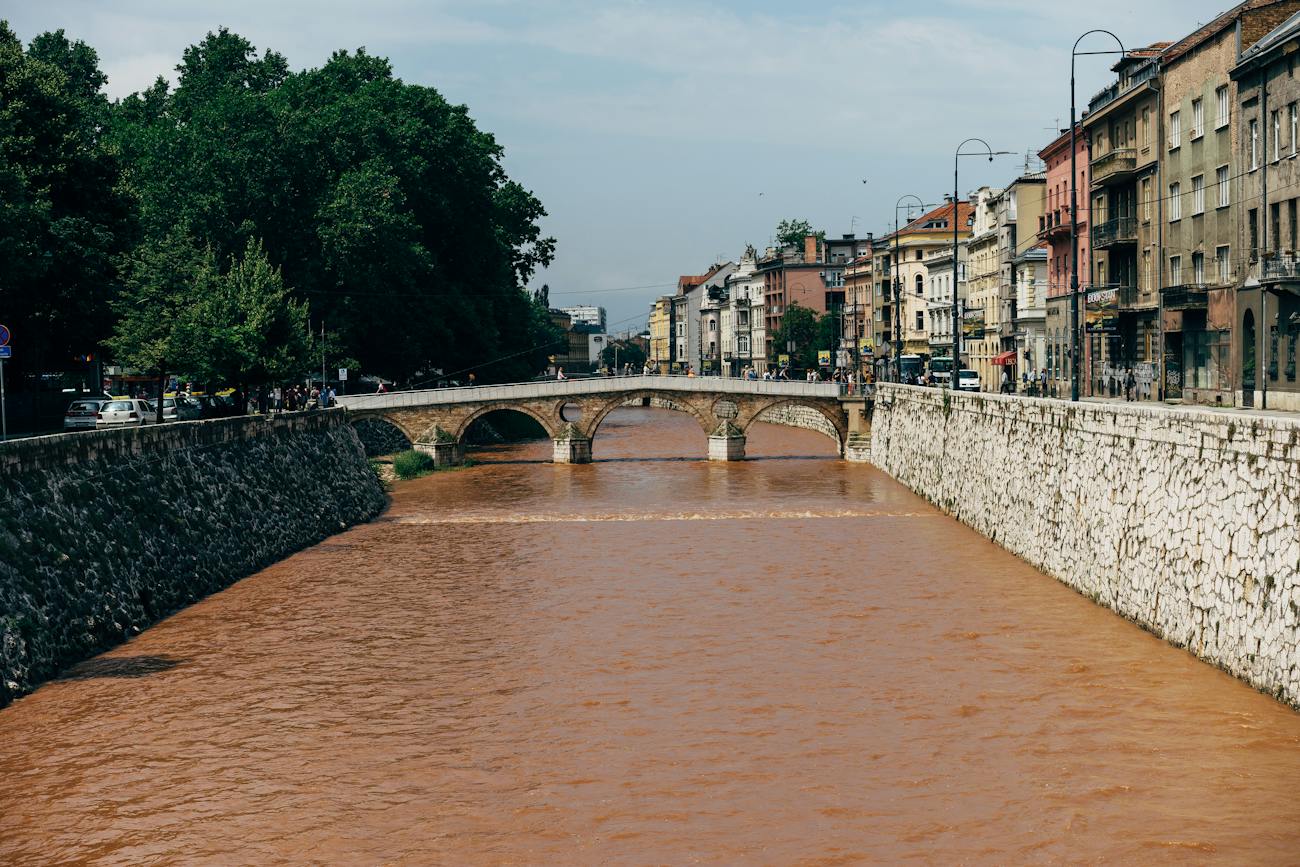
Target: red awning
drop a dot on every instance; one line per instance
(1006, 358)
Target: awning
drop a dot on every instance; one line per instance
(1006, 358)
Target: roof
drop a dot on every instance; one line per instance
(944, 212)
(1208, 31)
(1285, 31)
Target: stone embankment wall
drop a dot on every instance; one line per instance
(104, 533)
(1186, 522)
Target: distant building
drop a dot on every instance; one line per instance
(587, 315)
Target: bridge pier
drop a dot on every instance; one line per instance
(444, 454)
(571, 447)
(727, 443)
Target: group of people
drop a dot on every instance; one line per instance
(298, 397)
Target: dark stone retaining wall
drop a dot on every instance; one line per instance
(104, 533)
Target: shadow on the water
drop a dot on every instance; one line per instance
(120, 666)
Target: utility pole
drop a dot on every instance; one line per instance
(322, 360)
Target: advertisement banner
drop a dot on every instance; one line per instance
(1101, 311)
(972, 323)
(823, 358)
(865, 347)
(783, 360)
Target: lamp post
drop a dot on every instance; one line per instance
(898, 312)
(1074, 214)
(956, 302)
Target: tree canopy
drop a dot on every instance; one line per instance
(196, 228)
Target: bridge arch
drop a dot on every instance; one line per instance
(548, 424)
(666, 400)
(381, 435)
(835, 422)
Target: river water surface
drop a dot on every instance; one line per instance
(650, 659)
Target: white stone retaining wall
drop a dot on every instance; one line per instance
(1186, 522)
(800, 416)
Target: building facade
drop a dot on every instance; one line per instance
(1266, 308)
(1054, 231)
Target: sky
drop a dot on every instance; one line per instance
(664, 136)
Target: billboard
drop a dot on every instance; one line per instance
(823, 358)
(1101, 312)
(783, 360)
(865, 347)
(972, 323)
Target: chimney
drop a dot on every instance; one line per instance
(810, 248)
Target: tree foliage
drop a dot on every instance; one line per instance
(791, 233)
(385, 207)
(63, 221)
(621, 352)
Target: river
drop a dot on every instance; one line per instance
(650, 659)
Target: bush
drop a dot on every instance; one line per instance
(410, 464)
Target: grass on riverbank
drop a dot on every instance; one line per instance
(407, 465)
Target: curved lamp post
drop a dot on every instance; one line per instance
(898, 312)
(1075, 354)
(956, 302)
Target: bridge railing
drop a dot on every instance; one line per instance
(588, 386)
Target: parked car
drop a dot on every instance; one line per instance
(968, 380)
(120, 413)
(177, 409)
(211, 406)
(82, 414)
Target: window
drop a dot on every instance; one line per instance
(918, 255)
(1175, 270)
(1294, 112)
(1175, 130)
(1175, 202)
(1274, 226)
(1221, 179)
(1277, 134)
(1221, 97)
(1146, 199)
(1222, 265)
(1254, 144)
(1198, 119)
(920, 321)
(920, 285)
(1252, 220)
(1198, 268)
(1291, 220)
(1198, 194)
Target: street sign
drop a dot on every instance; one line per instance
(6, 352)
(4, 336)
(343, 374)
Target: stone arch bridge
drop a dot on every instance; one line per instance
(436, 420)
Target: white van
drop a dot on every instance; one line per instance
(968, 380)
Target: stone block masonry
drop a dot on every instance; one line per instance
(1186, 522)
(104, 533)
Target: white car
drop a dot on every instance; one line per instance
(968, 380)
(120, 413)
(83, 414)
(176, 409)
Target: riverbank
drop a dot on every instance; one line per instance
(104, 533)
(1186, 522)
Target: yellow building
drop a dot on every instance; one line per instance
(911, 245)
(980, 341)
(661, 332)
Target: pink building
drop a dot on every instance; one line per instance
(1054, 230)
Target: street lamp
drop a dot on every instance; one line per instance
(956, 319)
(1074, 215)
(898, 313)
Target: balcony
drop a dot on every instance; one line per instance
(1115, 165)
(1279, 267)
(1129, 297)
(1188, 296)
(1053, 224)
(1120, 230)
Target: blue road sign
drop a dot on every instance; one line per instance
(4, 336)
(6, 351)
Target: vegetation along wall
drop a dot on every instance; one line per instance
(104, 533)
(1187, 522)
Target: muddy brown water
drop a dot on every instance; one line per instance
(650, 659)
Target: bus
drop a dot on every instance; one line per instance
(909, 368)
(941, 371)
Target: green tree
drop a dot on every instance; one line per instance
(384, 205)
(63, 221)
(154, 310)
(621, 352)
(791, 233)
(244, 327)
(797, 336)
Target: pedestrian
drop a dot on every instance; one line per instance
(333, 397)
(472, 380)
(383, 389)
(559, 374)
(1130, 382)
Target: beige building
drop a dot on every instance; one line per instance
(910, 246)
(661, 333)
(980, 340)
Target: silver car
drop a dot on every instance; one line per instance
(120, 413)
(176, 409)
(81, 414)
